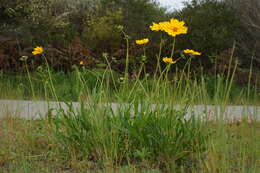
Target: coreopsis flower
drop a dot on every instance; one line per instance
(158, 26)
(168, 60)
(155, 27)
(37, 50)
(81, 62)
(192, 52)
(143, 41)
(174, 27)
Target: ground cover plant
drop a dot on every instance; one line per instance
(145, 133)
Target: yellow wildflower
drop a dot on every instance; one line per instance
(192, 52)
(143, 41)
(155, 27)
(174, 27)
(37, 50)
(81, 62)
(168, 60)
(158, 26)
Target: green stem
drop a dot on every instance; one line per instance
(50, 78)
(111, 72)
(136, 81)
(30, 80)
(173, 47)
(167, 71)
(127, 57)
(126, 76)
(160, 77)
(158, 67)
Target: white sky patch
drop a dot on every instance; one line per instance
(172, 4)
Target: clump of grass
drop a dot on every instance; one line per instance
(160, 136)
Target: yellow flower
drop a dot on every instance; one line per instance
(81, 62)
(174, 27)
(158, 26)
(169, 60)
(38, 50)
(155, 27)
(192, 52)
(143, 41)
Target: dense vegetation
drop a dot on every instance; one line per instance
(75, 30)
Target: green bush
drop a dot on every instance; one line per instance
(102, 33)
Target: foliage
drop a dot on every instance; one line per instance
(72, 31)
(212, 28)
(102, 33)
(249, 32)
(58, 24)
(137, 14)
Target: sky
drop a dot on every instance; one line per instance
(172, 4)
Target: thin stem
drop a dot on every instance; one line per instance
(127, 57)
(158, 67)
(126, 75)
(250, 77)
(50, 78)
(160, 77)
(173, 47)
(111, 72)
(229, 65)
(136, 81)
(30, 80)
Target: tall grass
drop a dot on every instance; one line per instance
(77, 85)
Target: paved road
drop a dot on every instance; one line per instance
(36, 109)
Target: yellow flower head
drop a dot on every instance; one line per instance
(81, 62)
(192, 52)
(37, 50)
(155, 27)
(143, 41)
(168, 60)
(174, 27)
(158, 26)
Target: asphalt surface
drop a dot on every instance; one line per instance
(37, 109)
